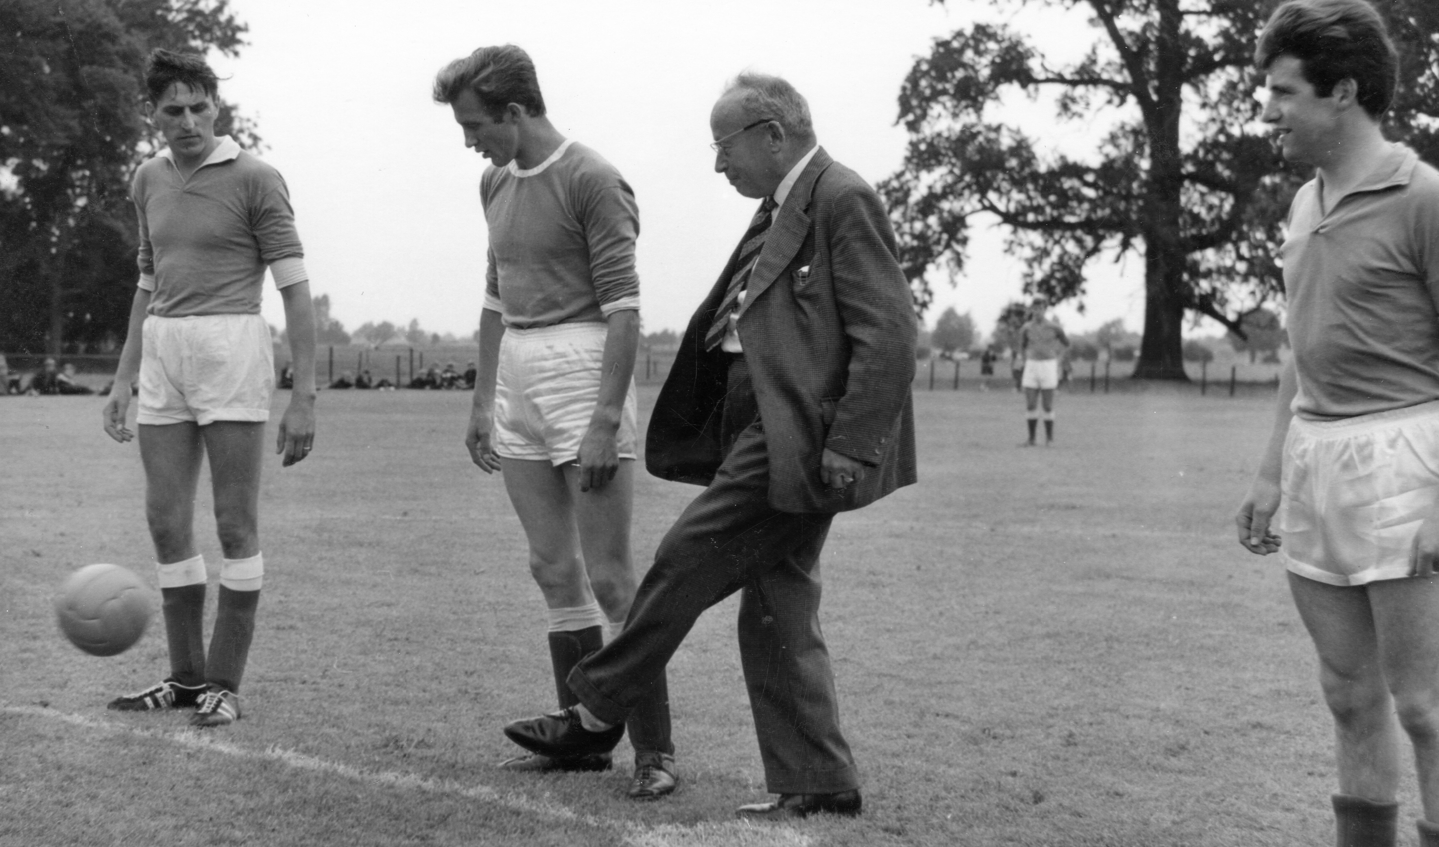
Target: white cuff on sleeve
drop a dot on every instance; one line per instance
(288, 271)
(493, 303)
(147, 282)
(628, 303)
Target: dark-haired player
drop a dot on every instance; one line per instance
(554, 403)
(1350, 478)
(213, 218)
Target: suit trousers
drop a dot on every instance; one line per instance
(730, 539)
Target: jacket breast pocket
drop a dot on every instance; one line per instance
(799, 277)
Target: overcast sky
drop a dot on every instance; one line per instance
(386, 194)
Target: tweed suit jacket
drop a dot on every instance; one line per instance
(828, 330)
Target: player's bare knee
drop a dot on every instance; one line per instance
(555, 573)
(239, 538)
(614, 592)
(1355, 700)
(1418, 713)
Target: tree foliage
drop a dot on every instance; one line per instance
(328, 330)
(953, 332)
(1179, 178)
(1007, 326)
(71, 135)
(1259, 332)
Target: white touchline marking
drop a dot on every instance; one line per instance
(664, 835)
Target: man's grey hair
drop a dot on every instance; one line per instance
(763, 96)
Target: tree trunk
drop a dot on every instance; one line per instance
(1161, 353)
(55, 269)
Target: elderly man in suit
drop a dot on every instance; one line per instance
(789, 401)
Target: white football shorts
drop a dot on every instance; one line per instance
(1041, 374)
(547, 387)
(206, 368)
(1355, 492)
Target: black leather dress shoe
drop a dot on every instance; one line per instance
(654, 776)
(560, 735)
(791, 806)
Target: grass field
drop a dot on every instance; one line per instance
(1056, 646)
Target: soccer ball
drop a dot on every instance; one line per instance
(103, 609)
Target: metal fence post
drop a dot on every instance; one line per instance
(931, 373)
(956, 374)
(1233, 377)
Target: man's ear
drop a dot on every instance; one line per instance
(1346, 92)
(775, 130)
(513, 112)
(148, 110)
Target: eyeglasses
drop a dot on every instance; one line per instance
(719, 145)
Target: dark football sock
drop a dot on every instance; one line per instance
(234, 630)
(567, 648)
(1049, 430)
(1033, 426)
(1364, 823)
(184, 611)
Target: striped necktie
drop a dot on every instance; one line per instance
(749, 252)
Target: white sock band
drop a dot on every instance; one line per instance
(243, 574)
(576, 618)
(1049, 416)
(1031, 416)
(181, 574)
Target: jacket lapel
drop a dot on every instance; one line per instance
(787, 233)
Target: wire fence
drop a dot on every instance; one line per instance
(400, 367)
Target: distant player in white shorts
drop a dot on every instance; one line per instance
(212, 218)
(1042, 343)
(1347, 492)
(554, 393)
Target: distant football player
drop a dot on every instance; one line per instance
(1042, 344)
(213, 218)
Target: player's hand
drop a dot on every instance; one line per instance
(116, 411)
(1254, 516)
(1424, 555)
(297, 431)
(477, 441)
(599, 459)
(839, 471)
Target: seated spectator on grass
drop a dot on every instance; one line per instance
(46, 381)
(471, 374)
(68, 384)
(345, 380)
(287, 377)
(384, 385)
(449, 377)
(426, 379)
(364, 380)
(5, 378)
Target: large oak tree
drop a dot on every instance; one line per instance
(72, 131)
(1179, 178)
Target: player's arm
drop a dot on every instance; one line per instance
(482, 410)
(1262, 501)
(599, 452)
(297, 427)
(117, 407)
